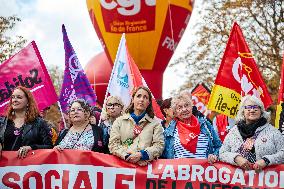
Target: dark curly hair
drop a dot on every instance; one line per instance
(165, 105)
(84, 104)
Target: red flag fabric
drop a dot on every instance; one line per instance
(26, 68)
(238, 76)
(200, 97)
(280, 99)
(138, 80)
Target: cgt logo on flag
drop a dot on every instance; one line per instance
(122, 77)
(245, 77)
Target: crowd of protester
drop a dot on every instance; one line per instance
(137, 136)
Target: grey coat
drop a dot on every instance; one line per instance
(269, 144)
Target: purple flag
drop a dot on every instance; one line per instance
(75, 84)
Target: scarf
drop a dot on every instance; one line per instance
(248, 130)
(137, 129)
(137, 118)
(188, 133)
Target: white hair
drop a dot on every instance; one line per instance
(184, 96)
(240, 115)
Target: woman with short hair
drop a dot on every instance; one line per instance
(113, 109)
(253, 143)
(81, 135)
(189, 136)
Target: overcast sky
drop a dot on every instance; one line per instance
(42, 20)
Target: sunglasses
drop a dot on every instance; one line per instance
(252, 107)
(113, 105)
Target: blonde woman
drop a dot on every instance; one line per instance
(112, 110)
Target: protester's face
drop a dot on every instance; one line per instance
(252, 112)
(141, 100)
(77, 113)
(113, 108)
(19, 100)
(93, 120)
(169, 112)
(183, 110)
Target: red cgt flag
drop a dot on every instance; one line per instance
(200, 97)
(238, 76)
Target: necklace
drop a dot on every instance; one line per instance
(17, 132)
(79, 136)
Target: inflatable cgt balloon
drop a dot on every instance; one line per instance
(98, 71)
(153, 29)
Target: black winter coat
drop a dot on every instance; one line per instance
(35, 134)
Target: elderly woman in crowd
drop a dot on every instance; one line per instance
(137, 136)
(253, 143)
(189, 136)
(81, 135)
(112, 110)
(23, 129)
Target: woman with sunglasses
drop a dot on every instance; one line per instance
(112, 110)
(81, 135)
(253, 143)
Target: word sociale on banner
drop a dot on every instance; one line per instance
(50, 169)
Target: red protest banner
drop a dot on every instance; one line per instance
(26, 68)
(85, 169)
(238, 76)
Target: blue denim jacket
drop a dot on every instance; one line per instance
(214, 143)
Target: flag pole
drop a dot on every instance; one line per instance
(112, 73)
(61, 112)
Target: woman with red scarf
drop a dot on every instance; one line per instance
(190, 136)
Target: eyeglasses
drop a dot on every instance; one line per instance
(186, 106)
(76, 110)
(252, 107)
(109, 105)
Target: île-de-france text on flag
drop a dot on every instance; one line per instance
(126, 76)
(279, 119)
(200, 97)
(238, 76)
(75, 83)
(27, 69)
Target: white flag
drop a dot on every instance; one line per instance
(120, 83)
